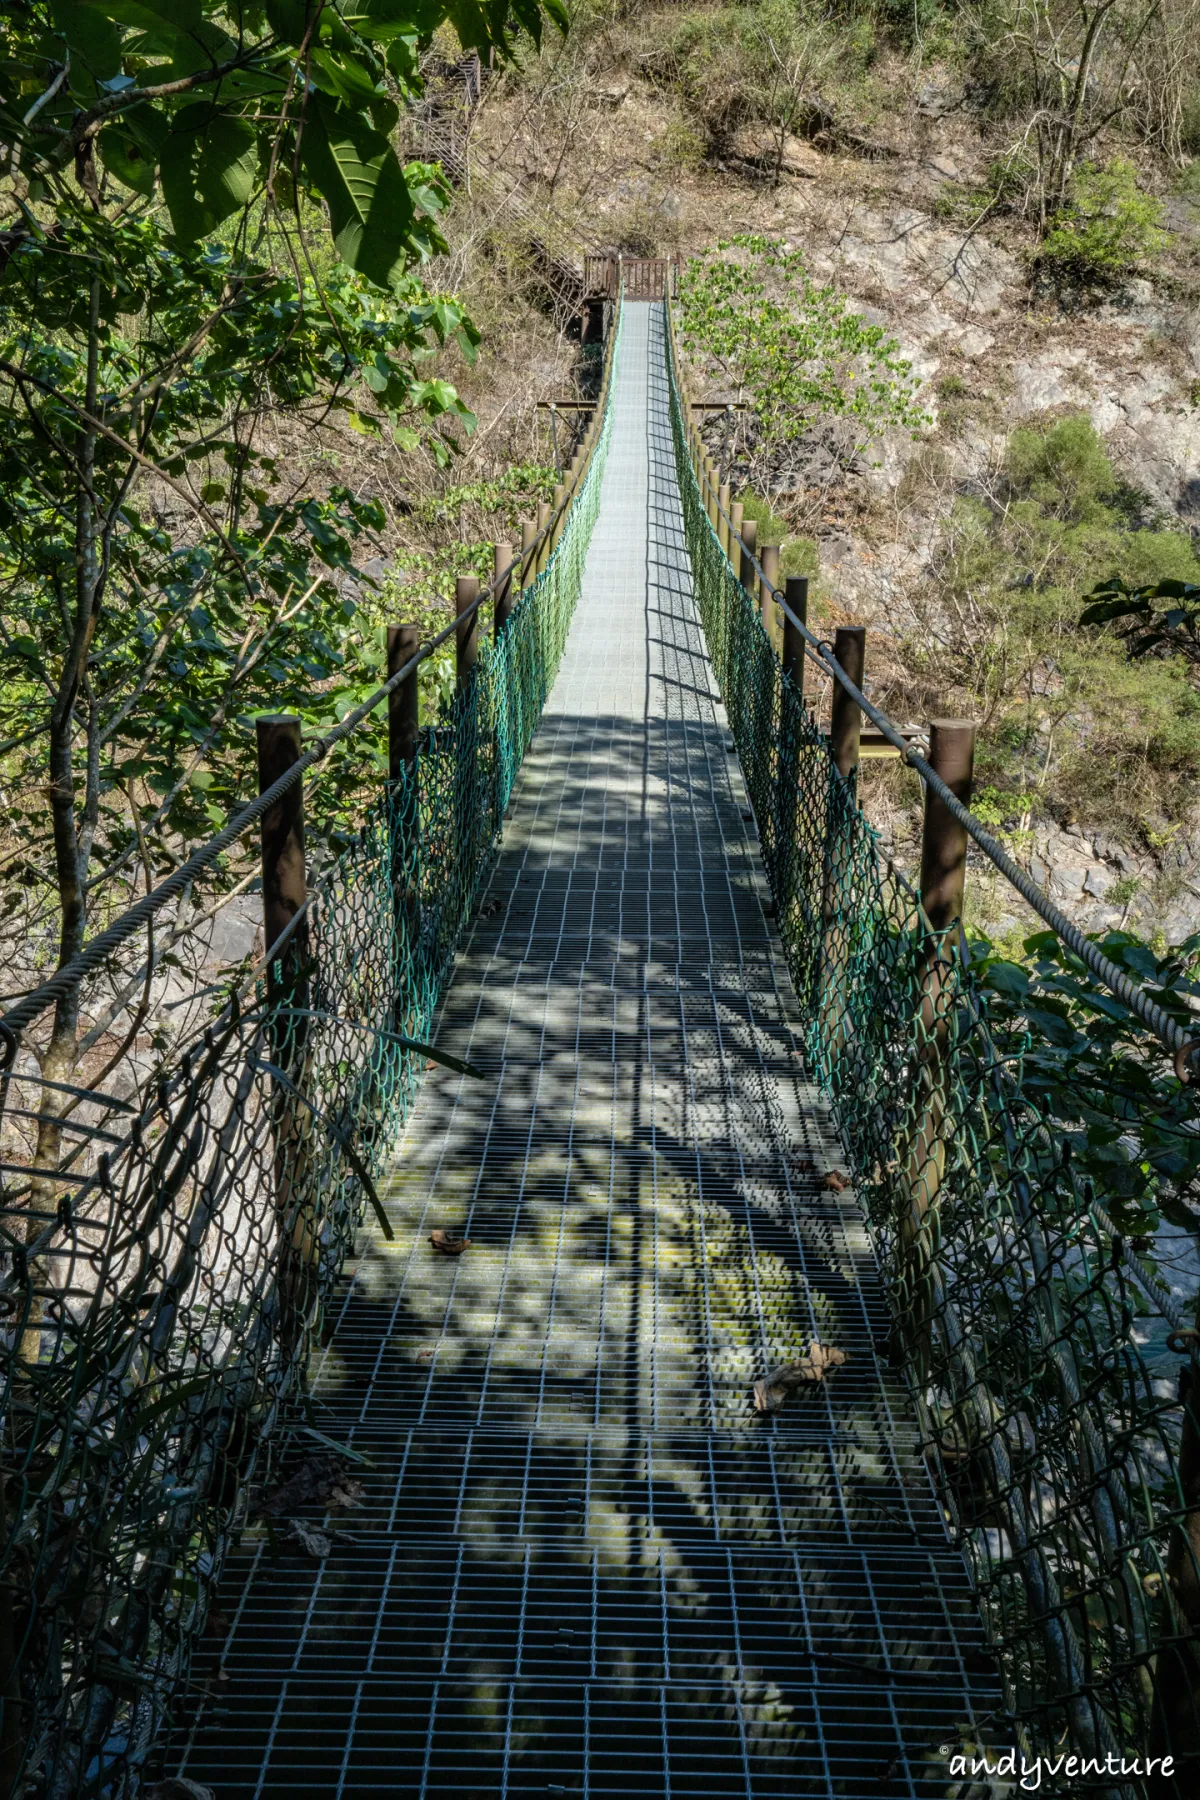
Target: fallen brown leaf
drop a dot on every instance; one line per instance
(424, 1355)
(835, 1180)
(315, 1481)
(303, 1536)
(775, 1390)
(448, 1244)
(346, 1493)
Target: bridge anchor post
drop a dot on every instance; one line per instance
(503, 558)
(403, 642)
(923, 1159)
(285, 897)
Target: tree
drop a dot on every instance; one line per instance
(211, 104)
(1148, 626)
(166, 320)
(795, 351)
(1069, 73)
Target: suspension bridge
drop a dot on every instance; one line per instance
(701, 1375)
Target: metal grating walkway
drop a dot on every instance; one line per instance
(585, 1565)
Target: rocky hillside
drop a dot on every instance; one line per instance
(621, 138)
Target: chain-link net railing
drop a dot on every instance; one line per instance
(162, 1282)
(1066, 1457)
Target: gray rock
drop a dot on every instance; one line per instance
(1097, 881)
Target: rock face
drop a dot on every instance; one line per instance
(1102, 884)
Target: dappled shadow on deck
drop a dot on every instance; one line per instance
(584, 1564)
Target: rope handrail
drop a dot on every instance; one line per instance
(163, 1287)
(99, 949)
(1031, 1332)
(1184, 1047)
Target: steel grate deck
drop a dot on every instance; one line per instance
(583, 1564)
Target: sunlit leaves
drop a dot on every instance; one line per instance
(207, 167)
(370, 208)
(797, 351)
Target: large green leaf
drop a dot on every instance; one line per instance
(356, 169)
(148, 15)
(208, 167)
(94, 41)
(131, 146)
(381, 20)
(290, 19)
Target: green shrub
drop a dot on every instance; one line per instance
(1108, 228)
(1068, 719)
(797, 555)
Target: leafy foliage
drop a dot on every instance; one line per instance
(1066, 718)
(1107, 228)
(1148, 627)
(1099, 1079)
(207, 105)
(214, 582)
(797, 351)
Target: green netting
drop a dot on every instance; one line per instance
(162, 1287)
(1066, 1456)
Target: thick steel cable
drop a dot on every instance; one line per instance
(1184, 1048)
(97, 951)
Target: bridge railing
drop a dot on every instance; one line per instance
(1067, 1465)
(163, 1278)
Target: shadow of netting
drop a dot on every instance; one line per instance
(613, 1310)
(1057, 1451)
(160, 1297)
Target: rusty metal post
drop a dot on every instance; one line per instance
(922, 1159)
(769, 559)
(747, 573)
(796, 596)
(943, 839)
(503, 558)
(466, 630)
(710, 492)
(845, 723)
(403, 642)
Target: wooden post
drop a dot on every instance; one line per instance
(558, 513)
(725, 499)
(503, 595)
(796, 596)
(849, 647)
(285, 891)
(284, 884)
(943, 839)
(748, 575)
(710, 492)
(769, 558)
(922, 1159)
(735, 531)
(528, 534)
(403, 642)
(544, 512)
(466, 631)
